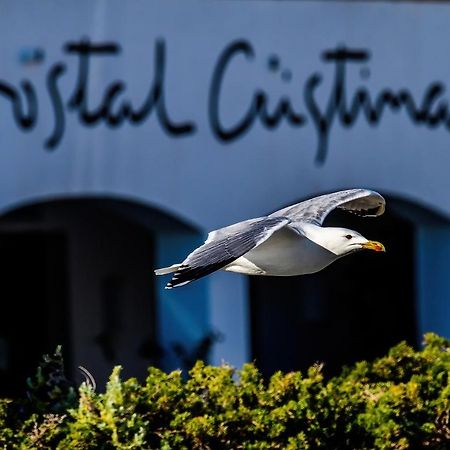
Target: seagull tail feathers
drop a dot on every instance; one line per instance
(166, 270)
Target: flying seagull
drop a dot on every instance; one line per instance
(288, 242)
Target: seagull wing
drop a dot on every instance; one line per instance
(225, 245)
(362, 202)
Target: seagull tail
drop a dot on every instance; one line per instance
(166, 270)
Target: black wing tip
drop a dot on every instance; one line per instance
(188, 273)
(175, 285)
(371, 212)
(176, 281)
(375, 207)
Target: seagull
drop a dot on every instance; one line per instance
(288, 242)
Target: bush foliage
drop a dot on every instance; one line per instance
(400, 401)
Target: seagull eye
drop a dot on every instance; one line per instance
(348, 236)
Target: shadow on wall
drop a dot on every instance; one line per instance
(80, 273)
(354, 309)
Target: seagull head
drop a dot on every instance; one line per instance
(342, 241)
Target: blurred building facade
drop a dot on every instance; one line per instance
(129, 130)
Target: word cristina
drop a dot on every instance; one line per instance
(340, 105)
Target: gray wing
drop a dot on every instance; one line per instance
(224, 246)
(363, 202)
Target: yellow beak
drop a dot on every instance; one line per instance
(374, 245)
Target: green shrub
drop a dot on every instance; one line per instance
(400, 401)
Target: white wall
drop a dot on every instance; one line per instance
(197, 176)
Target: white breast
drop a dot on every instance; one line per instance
(285, 253)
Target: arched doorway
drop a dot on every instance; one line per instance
(79, 273)
(354, 309)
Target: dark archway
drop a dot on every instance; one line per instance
(354, 309)
(79, 273)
